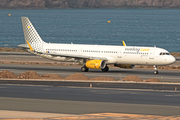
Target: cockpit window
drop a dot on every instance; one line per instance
(163, 53)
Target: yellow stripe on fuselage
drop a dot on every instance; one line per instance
(29, 46)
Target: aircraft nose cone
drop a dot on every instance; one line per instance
(172, 60)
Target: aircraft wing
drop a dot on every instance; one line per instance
(80, 56)
(25, 47)
(76, 56)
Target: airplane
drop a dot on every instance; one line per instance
(94, 56)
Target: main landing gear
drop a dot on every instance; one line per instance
(155, 69)
(106, 69)
(84, 69)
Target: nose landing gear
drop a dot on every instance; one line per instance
(155, 69)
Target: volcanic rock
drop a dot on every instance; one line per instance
(51, 76)
(29, 75)
(132, 78)
(77, 76)
(7, 74)
(153, 80)
(103, 79)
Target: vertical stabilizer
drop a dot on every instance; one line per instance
(31, 36)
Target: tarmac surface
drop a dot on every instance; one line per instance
(73, 100)
(97, 84)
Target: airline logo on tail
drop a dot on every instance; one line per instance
(32, 37)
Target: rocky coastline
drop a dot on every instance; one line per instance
(88, 4)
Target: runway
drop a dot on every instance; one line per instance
(72, 100)
(117, 73)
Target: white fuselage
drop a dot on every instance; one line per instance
(114, 54)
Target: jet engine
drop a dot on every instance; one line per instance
(124, 66)
(96, 64)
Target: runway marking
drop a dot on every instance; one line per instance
(46, 89)
(121, 89)
(172, 95)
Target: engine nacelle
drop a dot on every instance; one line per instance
(124, 66)
(96, 64)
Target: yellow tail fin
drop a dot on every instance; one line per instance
(31, 36)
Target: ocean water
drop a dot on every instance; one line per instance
(137, 27)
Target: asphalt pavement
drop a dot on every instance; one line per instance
(74, 100)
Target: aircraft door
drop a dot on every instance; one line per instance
(119, 54)
(80, 51)
(151, 55)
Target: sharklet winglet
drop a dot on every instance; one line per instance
(124, 44)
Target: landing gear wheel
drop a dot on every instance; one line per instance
(84, 69)
(105, 69)
(155, 69)
(156, 72)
